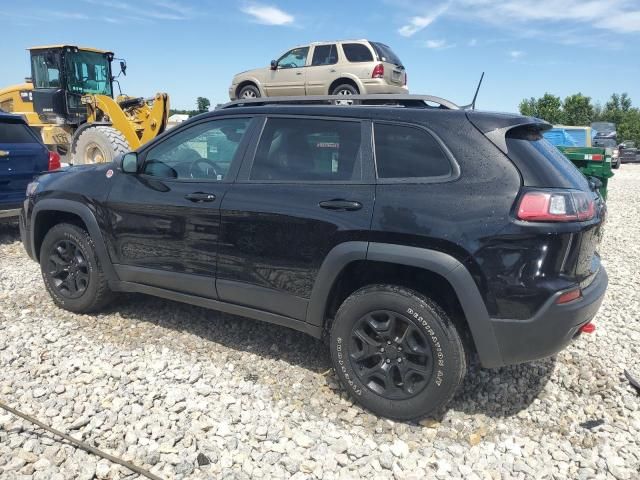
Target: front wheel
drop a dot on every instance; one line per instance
(248, 92)
(396, 352)
(99, 144)
(71, 270)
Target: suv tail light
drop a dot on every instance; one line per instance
(378, 71)
(54, 161)
(556, 206)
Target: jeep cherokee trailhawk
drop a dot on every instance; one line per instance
(410, 234)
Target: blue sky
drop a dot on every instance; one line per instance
(191, 49)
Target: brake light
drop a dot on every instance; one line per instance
(54, 161)
(378, 71)
(557, 206)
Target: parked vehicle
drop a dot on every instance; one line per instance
(22, 157)
(469, 235)
(347, 67)
(628, 152)
(593, 161)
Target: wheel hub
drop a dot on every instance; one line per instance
(68, 269)
(391, 355)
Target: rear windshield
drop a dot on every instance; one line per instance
(12, 132)
(604, 142)
(538, 159)
(385, 54)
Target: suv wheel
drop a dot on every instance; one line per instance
(249, 91)
(71, 271)
(396, 352)
(344, 90)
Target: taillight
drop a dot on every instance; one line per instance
(54, 161)
(596, 157)
(557, 206)
(378, 71)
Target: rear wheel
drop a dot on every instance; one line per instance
(396, 352)
(100, 144)
(344, 90)
(71, 270)
(248, 92)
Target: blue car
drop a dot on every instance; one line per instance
(22, 157)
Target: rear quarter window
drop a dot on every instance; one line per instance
(406, 152)
(15, 132)
(538, 159)
(357, 52)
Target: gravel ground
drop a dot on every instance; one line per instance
(189, 393)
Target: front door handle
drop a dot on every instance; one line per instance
(339, 204)
(200, 197)
(298, 73)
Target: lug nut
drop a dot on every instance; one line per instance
(388, 342)
(381, 349)
(399, 349)
(400, 360)
(388, 360)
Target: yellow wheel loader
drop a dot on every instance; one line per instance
(69, 100)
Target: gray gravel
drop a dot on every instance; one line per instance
(189, 393)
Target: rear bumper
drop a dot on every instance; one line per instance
(552, 328)
(376, 85)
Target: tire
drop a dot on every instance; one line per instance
(100, 144)
(345, 89)
(62, 243)
(432, 371)
(248, 92)
(617, 164)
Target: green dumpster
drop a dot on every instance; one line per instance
(592, 162)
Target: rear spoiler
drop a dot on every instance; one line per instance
(496, 126)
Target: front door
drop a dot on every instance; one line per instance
(165, 220)
(289, 76)
(307, 188)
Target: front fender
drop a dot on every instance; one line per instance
(89, 219)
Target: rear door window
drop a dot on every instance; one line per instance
(308, 150)
(324, 55)
(11, 132)
(357, 52)
(405, 152)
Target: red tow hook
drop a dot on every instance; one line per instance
(588, 328)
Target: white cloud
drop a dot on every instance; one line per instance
(268, 15)
(438, 44)
(473, 42)
(515, 54)
(418, 23)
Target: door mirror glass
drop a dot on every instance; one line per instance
(274, 65)
(130, 162)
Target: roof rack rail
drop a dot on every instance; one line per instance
(395, 100)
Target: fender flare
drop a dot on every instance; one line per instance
(89, 219)
(435, 261)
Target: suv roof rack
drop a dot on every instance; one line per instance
(392, 100)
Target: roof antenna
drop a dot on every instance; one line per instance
(473, 103)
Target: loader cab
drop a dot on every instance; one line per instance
(62, 75)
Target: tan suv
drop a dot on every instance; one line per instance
(325, 68)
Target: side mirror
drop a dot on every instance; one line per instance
(274, 65)
(123, 67)
(129, 163)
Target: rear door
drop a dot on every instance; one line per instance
(322, 71)
(307, 186)
(22, 156)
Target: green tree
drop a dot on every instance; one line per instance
(578, 110)
(629, 126)
(549, 108)
(616, 108)
(529, 107)
(203, 104)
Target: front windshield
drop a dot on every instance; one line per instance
(88, 73)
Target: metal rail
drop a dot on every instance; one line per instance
(397, 100)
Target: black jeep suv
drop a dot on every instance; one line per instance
(409, 234)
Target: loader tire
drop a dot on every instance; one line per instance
(99, 144)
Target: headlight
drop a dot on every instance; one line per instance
(32, 188)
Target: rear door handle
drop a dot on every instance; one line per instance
(339, 204)
(200, 197)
